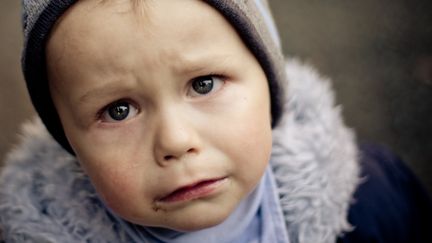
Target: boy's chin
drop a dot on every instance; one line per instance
(192, 221)
(197, 224)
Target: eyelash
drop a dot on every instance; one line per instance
(213, 88)
(131, 106)
(104, 111)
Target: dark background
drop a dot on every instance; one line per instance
(378, 54)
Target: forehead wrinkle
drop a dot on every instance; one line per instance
(138, 7)
(189, 51)
(186, 61)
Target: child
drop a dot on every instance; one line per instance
(179, 130)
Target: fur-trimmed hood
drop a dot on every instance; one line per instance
(46, 197)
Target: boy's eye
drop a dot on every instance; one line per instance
(119, 111)
(205, 84)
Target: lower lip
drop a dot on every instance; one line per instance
(200, 190)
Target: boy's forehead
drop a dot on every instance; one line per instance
(93, 18)
(92, 33)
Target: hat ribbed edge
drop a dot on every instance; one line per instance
(34, 69)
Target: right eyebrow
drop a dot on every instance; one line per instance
(105, 91)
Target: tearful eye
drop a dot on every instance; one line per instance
(119, 111)
(205, 84)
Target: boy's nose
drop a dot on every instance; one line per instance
(175, 138)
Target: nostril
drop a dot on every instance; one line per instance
(171, 157)
(192, 150)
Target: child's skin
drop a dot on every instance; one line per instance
(127, 88)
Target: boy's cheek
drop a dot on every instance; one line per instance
(246, 136)
(112, 159)
(255, 146)
(127, 140)
(114, 186)
(119, 181)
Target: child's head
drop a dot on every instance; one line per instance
(166, 108)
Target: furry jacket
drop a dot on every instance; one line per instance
(46, 197)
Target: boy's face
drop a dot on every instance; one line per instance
(167, 110)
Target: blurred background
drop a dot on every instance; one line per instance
(378, 54)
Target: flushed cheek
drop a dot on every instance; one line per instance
(248, 126)
(122, 189)
(117, 174)
(248, 148)
(112, 153)
(254, 147)
(254, 141)
(117, 160)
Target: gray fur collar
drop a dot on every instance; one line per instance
(45, 197)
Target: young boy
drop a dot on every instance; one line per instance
(167, 109)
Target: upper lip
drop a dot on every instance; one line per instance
(186, 186)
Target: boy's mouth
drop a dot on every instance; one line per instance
(197, 190)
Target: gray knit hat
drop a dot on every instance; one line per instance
(251, 19)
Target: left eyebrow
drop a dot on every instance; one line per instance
(203, 63)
